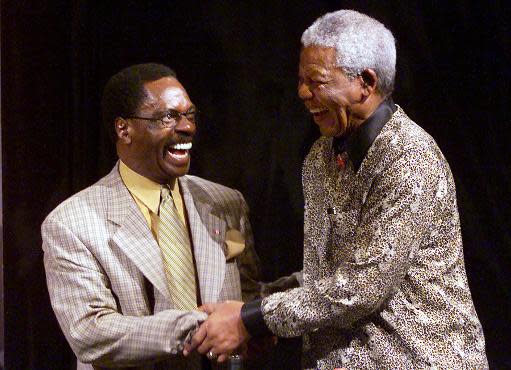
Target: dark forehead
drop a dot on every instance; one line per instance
(164, 94)
(159, 85)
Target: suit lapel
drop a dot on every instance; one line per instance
(134, 237)
(208, 235)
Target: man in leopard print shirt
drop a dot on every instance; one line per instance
(384, 281)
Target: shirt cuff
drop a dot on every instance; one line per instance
(253, 319)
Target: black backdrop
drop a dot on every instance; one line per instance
(238, 62)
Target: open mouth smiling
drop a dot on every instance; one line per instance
(179, 150)
(318, 112)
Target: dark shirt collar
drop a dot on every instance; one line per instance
(359, 142)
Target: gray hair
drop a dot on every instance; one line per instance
(360, 42)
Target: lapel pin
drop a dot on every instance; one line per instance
(341, 162)
(216, 232)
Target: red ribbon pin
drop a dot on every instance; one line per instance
(341, 162)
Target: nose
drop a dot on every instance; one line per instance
(185, 127)
(304, 91)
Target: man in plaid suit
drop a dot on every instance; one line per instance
(104, 267)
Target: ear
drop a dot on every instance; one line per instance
(122, 130)
(368, 80)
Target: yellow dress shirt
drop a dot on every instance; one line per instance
(147, 195)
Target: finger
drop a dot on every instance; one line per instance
(198, 337)
(205, 346)
(222, 358)
(187, 349)
(208, 308)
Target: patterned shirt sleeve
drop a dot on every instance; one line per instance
(396, 214)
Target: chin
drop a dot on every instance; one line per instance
(172, 171)
(180, 172)
(329, 132)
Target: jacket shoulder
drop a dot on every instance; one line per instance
(402, 136)
(92, 199)
(212, 192)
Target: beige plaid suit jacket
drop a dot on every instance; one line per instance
(106, 279)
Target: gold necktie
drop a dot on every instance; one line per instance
(177, 254)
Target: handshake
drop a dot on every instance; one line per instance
(222, 334)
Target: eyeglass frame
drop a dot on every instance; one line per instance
(176, 117)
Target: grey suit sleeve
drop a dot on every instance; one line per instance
(282, 284)
(397, 214)
(248, 260)
(89, 316)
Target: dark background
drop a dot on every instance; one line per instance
(238, 62)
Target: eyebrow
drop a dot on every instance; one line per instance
(159, 114)
(313, 69)
(316, 69)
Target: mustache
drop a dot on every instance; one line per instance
(181, 139)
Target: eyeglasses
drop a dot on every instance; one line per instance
(170, 119)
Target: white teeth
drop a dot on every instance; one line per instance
(182, 146)
(318, 110)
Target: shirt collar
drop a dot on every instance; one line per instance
(145, 190)
(358, 143)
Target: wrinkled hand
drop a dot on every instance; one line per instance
(222, 333)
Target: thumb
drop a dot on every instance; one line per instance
(208, 308)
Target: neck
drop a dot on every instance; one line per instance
(142, 171)
(370, 105)
(367, 108)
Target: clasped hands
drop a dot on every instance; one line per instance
(222, 334)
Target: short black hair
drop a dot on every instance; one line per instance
(124, 92)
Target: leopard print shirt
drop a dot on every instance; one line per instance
(385, 285)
